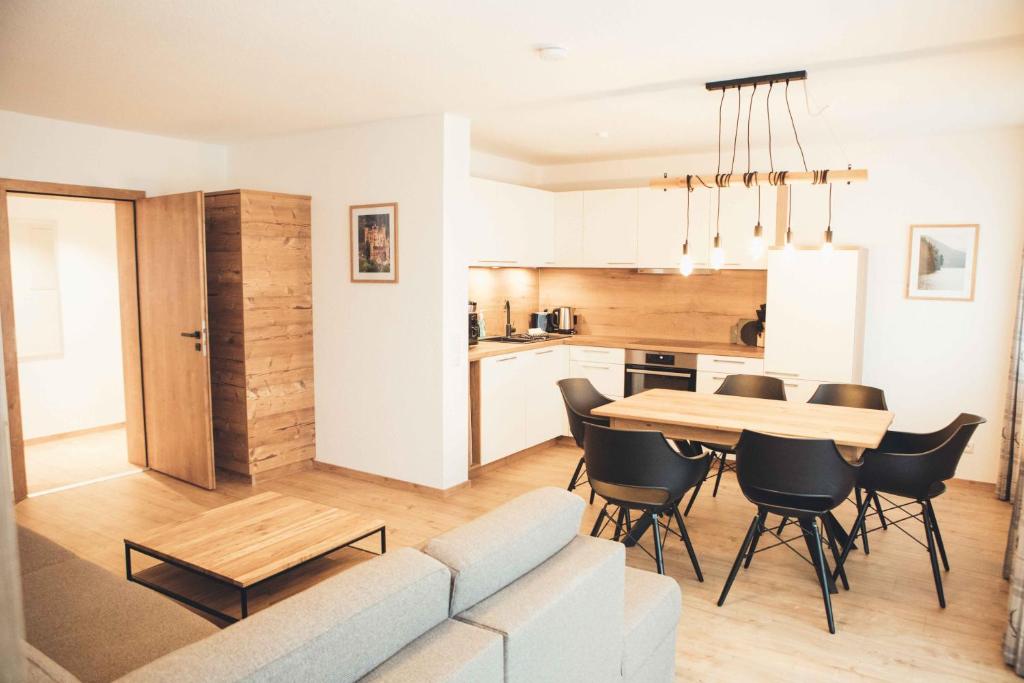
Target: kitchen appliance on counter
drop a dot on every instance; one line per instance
(474, 324)
(542, 320)
(659, 370)
(564, 320)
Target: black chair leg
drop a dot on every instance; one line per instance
(657, 543)
(823, 573)
(938, 534)
(857, 526)
(933, 556)
(761, 515)
(718, 477)
(812, 549)
(835, 558)
(593, 493)
(878, 508)
(693, 496)
(782, 525)
(739, 558)
(576, 476)
(619, 521)
(688, 544)
(600, 518)
(863, 529)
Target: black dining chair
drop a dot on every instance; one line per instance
(639, 471)
(750, 386)
(916, 466)
(580, 397)
(804, 479)
(851, 396)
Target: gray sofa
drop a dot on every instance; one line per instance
(515, 595)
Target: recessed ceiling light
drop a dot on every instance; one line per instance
(603, 134)
(552, 53)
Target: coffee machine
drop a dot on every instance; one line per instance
(474, 324)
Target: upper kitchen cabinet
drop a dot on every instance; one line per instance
(610, 228)
(511, 225)
(737, 217)
(568, 229)
(662, 228)
(815, 316)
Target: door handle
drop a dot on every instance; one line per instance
(193, 335)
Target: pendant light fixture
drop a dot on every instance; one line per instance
(749, 180)
(685, 262)
(826, 246)
(789, 248)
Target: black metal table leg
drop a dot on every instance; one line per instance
(245, 602)
(383, 542)
(128, 561)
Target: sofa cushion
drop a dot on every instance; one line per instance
(660, 665)
(36, 552)
(497, 548)
(339, 629)
(452, 652)
(41, 669)
(653, 605)
(563, 620)
(99, 626)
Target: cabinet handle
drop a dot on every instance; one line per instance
(541, 353)
(731, 264)
(596, 367)
(790, 384)
(603, 352)
(726, 360)
(718, 377)
(485, 260)
(620, 263)
(781, 374)
(680, 375)
(505, 359)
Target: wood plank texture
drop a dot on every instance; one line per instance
(131, 344)
(710, 417)
(490, 287)
(171, 256)
(771, 629)
(256, 538)
(261, 329)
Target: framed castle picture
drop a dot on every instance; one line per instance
(373, 242)
(943, 260)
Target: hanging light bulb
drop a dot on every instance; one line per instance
(826, 246)
(717, 254)
(757, 244)
(685, 262)
(789, 248)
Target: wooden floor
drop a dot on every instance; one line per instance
(772, 627)
(73, 459)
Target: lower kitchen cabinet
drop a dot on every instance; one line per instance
(520, 403)
(799, 390)
(502, 406)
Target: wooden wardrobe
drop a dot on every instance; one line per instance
(259, 281)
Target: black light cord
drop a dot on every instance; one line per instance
(768, 111)
(793, 123)
(750, 109)
(736, 131)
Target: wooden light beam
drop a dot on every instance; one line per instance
(851, 175)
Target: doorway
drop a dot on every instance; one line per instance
(75, 360)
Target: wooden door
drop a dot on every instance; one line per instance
(171, 248)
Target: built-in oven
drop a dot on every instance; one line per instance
(660, 370)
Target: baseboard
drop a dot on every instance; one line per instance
(478, 470)
(70, 435)
(388, 481)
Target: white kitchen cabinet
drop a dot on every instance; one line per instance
(604, 368)
(502, 406)
(545, 410)
(814, 328)
(737, 217)
(661, 228)
(610, 228)
(511, 225)
(729, 365)
(568, 228)
(708, 382)
(799, 390)
(601, 354)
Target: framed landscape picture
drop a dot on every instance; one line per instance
(943, 261)
(373, 242)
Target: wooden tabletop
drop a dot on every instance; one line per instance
(729, 415)
(256, 538)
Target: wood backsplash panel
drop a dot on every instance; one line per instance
(490, 287)
(617, 302)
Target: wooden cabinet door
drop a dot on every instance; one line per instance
(609, 228)
(569, 229)
(171, 258)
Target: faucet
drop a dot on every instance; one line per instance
(508, 319)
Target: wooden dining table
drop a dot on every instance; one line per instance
(719, 419)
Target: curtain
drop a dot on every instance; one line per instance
(1011, 467)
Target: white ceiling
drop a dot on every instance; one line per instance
(228, 70)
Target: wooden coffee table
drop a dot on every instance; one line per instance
(243, 544)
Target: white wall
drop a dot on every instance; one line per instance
(383, 351)
(932, 358)
(82, 386)
(503, 169)
(35, 148)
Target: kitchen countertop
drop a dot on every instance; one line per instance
(486, 349)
